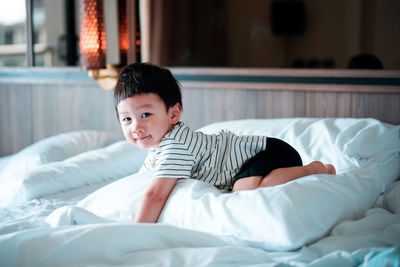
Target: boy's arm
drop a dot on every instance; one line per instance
(154, 199)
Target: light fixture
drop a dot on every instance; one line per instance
(106, 77)
(93, 42)
(92, 37)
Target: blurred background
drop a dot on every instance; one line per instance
(226, 33)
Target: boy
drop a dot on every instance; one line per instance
(148, 103)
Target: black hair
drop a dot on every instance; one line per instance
(365, 61)
(143, 78)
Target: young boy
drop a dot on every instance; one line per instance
(148, 103)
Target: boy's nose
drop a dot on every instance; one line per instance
(137, 130)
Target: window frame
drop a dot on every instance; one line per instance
(29, 33)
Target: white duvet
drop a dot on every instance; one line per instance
(83, 212)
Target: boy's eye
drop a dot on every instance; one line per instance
(126, 119)
(145, 115)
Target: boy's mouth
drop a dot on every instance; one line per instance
(143, 138)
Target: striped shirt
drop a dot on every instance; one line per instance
(215, 159)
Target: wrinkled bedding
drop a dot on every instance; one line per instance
(77, 194)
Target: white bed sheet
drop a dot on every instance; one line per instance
(116, 244)
(80, 237)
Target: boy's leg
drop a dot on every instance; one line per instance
(248, 183)
(282, 175)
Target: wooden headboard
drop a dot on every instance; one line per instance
(40, 102)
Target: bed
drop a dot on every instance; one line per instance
(69, 200)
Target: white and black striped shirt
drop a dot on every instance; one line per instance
(215, 159)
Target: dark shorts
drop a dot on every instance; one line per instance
(278, 154)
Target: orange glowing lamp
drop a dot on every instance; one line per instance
(92, 38)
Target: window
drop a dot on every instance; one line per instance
(54, 35)
(12, 33)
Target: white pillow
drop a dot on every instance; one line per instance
(369, 141)
(277, 218)
(347, 143)
(391, 199)
(54, 148)
(314, 139)
(4, 162)
(114, 161)
(118, 200)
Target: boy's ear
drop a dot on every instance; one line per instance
(176, 111)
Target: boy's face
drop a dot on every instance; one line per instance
(145, 120)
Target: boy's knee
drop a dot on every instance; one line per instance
(248, 183)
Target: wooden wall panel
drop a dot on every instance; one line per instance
(31, 113)
(34, 108)
(386, 107)
(204, 106)
(16, 118)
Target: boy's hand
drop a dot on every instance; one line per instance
(154, 199)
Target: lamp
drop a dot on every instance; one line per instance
(93, 42)
(92, 38)
(123, 32)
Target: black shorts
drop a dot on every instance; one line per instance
(278, 154)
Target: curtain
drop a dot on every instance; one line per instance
(183, 32)
(154, 31)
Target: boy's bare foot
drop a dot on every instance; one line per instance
(331, 169)
(317, 167)
(320, 168)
